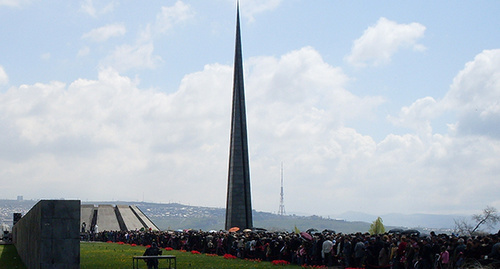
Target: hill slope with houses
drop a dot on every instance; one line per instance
(173, 216)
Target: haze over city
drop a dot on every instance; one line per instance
(373, 107)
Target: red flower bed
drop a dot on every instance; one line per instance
(109, 242)
(182, 250)
(148, 246)
(169, 249)
(120, 243)
(229, 256)
(195, 252)
(280, 262)
(133, 245)
(211, 255)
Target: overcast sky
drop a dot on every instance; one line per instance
(372, 106)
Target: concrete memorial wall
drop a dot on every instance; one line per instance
(48, 235)
(144, 218)
(106, 218)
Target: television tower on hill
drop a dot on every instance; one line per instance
(281, 211)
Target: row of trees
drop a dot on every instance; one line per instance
(487, 218)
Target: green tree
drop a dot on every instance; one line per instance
(377, 227)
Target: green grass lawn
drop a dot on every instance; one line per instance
(9, 258)
(112, 255)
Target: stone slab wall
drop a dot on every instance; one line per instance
(129, 218)
(48, 235)
(106, 218)
(147, 221)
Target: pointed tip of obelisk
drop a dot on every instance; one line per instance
(238, 9)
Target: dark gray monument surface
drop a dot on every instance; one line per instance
(238, 203)
(48, 235)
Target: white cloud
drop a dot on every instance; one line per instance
(108, 128)
(380, 42)
(4, 79)
(418, 116)
(14, 3)
(98, 8)
(251, 8)
(83, 52)
(112, 134)
(141, 54)
(315, 88)
(102, 34)
(475, 95)
(88, 7)
(460, 164)
(45, 56)
(126, 133)
(169, 16)
(137, 56)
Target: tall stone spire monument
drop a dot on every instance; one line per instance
(239, 200)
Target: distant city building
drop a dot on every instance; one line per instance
(19, 197)
(238, 203)
(16, 217)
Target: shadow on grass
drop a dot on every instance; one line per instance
(9, 257)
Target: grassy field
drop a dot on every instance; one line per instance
(9, 258)
(112, 255)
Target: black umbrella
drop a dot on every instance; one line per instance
(395, 231)
(411, 232)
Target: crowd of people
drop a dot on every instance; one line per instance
(327, 248)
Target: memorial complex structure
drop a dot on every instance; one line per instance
(239, 200)
(96, 218)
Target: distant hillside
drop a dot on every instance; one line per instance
(216, 218)
(413, 220)
(174, 216)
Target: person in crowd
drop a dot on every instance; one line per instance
(384, 253)
(444, 258)
(400, 259)
(359, 252)
(458, 253)
(153, 250)
(302, 255)
(495, 249)
(347, 252)
(326, 251)
(426, 254)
